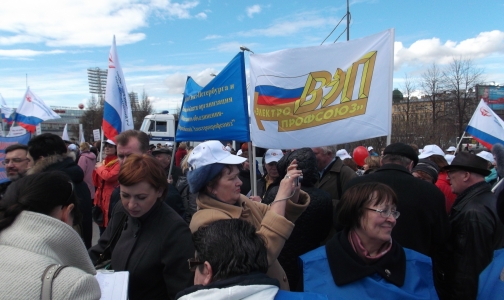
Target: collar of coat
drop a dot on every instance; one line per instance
(233, 211)
(394, 167)
(44, 162)
(347, 267)
(243, 286)
(468, 194)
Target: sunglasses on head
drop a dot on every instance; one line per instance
(193, 263)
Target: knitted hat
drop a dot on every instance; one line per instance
(427, 166)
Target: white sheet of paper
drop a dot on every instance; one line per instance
(113, 285)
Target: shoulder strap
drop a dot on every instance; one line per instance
(47, 279)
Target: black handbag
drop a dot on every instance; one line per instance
(103, 261)
(97, 215)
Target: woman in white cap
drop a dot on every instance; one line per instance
(213, 172)
(492, 178)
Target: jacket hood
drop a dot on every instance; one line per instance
(498, 152)
(307, 163)
(58, 163)
(89, 155)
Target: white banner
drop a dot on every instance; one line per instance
(96, 134)
(16, 131)
(324, 95)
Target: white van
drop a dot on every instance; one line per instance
(161, 128)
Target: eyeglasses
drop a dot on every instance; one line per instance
(14, 161)
(386, 213)
(193, 263)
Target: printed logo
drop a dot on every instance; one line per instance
(485, 112)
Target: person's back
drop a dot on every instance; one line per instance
(34, 236)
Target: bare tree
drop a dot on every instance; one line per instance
(461, 77)
(142, 109)
(92, 117)
(432, 83)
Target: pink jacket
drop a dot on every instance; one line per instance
(87, 163)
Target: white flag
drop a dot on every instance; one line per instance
(323, 95)
(32, 111)
(65, 134)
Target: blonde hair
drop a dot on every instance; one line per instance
(183, 164)
(84, 146)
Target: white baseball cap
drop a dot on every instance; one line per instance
(342, 154)
(211, 152)
(486, 155)
(431, 150)
(273, 155)
(109, 141)
(449, 158)
(451, 149)
(370, 148)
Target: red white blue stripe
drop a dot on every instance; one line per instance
(485, 126)
(33, 111)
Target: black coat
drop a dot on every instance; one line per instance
(423, 225)
(476, 232)
(313, 226)
(154, 249)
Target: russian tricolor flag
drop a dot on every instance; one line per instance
(6, 111)
(33, 111)
(485, 126)
(117, 116)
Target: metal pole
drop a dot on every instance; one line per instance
(347, 20)
(458, 145)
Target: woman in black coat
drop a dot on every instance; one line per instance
(313, 226)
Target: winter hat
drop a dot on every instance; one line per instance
(206, 161)
(427, 166)
(402, 150)
(469, 162)
(431, 150)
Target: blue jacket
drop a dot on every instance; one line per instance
(418, 281)
(490, 285)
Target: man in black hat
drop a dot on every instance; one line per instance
(423, 225)
(475, 227)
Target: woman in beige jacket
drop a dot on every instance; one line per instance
(213, 172)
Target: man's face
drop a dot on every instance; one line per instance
(16, 164)
(164, 159)
(456, 179)
(132, 147)
(323, 159)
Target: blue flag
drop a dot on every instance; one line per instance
(219, 110)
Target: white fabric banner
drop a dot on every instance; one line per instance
(324, 95)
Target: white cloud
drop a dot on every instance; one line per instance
(27, 53)
(433, 50)
(288, 27)
(254, 9)
(87, 23)
(213, 37)
(201, 16)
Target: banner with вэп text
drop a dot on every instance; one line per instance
(324, 95)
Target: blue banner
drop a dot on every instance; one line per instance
(218, 111)
(6, 142)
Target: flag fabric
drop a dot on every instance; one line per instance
(117, 116)
(81, 134)
(217, 111)
(33, 111)
(6, 111)
(323, 95)
(485, 126)
(65, 134)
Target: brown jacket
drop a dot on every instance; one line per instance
(274, 228)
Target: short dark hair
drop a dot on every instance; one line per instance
(232, 247)
(16, 147)
(396, 159)
(439, 160)
(45, 145)
(39, 193)
(357, 197)
(142, 137)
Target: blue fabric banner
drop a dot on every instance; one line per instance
(219, 110)
(6, 142)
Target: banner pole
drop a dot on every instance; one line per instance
(252, 163)
(101, 144)
(461, 139)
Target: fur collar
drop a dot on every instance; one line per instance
(43, 163)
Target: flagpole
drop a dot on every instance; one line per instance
(101, 144)
(254, 174)
(461, 139)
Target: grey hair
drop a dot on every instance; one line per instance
(331, 148)
(498, 152)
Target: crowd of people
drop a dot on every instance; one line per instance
(189, 224)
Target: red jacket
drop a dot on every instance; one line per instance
(105, 180)
(444, 185)
(179, 155)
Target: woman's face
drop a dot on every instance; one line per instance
(139, 198)
(272, 170)
(374, 227)
(109, 149)
(227, 188)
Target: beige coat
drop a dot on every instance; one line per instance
(274, 228)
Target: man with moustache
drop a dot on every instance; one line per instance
(16, 164)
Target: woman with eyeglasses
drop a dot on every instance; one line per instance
(362, 261)
(105, 180)
(154, 242)
(36, 218)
